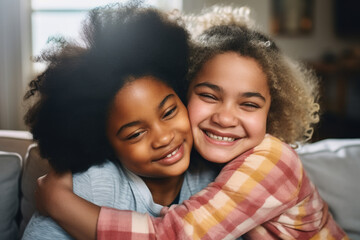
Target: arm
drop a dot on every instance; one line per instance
(55, 197)
(249, 191)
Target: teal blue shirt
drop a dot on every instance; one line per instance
(113, 186)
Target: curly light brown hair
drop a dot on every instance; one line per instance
(294, 108)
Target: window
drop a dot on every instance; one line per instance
(63, 18)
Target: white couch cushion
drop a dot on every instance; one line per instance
(334, 167)
(10, 169)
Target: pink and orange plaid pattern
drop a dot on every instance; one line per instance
(263, 194)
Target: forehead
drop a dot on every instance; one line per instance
(233, 71)
(139, 95)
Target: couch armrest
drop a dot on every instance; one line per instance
(15, 141)
(34, 166)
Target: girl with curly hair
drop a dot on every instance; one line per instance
(247, 102)
(107, 111)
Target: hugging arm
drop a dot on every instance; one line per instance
(55, 197)
(252, 189)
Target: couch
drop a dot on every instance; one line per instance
(332, 164)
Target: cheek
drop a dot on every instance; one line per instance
(133, 157)
(256, 124)
(126, 152)
(183, 124)
(197, 111)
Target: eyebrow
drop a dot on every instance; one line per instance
(162, 103)
(253, 94)
(134, 123)
(218, 89)
(130, 124)
(209, 85)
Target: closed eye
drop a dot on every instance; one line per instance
(208, 96)
(135, 135)
(250, 105)
(170, 112)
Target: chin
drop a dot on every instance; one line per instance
(175, 173)
(217, 157)
(181, 168)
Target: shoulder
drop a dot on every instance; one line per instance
(97, 170)
(271, 143)
(271, 157)
(104, 170)
(278, 160)
(276, 150)
(100, 183)
(43, 228)
(97, 175)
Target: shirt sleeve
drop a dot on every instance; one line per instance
(250, 190)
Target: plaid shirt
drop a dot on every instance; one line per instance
(264, 194)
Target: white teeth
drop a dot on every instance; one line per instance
(173, 153)
(225, 139)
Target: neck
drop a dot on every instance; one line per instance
(164, 190)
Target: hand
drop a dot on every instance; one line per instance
(51, 189)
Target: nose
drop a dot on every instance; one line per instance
(225, 117)
(162, 136)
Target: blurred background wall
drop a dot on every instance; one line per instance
(334, 55)
(312, 46)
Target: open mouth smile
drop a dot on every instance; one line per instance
(219, 138)
(173, 156)
(173, 153)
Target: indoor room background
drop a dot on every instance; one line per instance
(323, 33)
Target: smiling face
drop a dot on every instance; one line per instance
(228, 105)
(149, 129)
